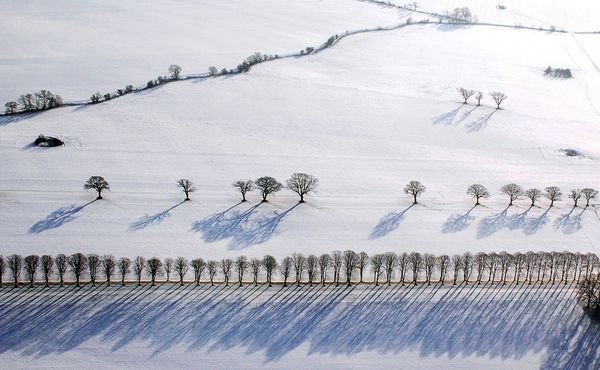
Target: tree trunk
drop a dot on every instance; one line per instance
(414, 198)
(301, 198)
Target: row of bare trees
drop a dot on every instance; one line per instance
(41, 100)
(552, 193)
(337, 268)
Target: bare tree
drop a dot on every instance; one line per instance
(416, 264)
(467, 266)
(337, 260)
(311, 268)
(15, 263)
(124, 266)
(443, 263)
(478, 191)
(494, 263)
(98, 184)
(478, 96)
(481, 263)
(553, 193)
(199, 265)
(244, 186)
(589, 194)
(241, 266)
(530, 262)
(11, 107)
(361, 264)
(226, 265)
(588, 293)
(575, 195)
(61, 263)
(31, 266)
(513, 191)
(213, 71)
(46, 264)
(465, 93)
(518, 263)
(212, 267)
(302, 184)
(267, 185)
(154, 267)
(429, 262)
(498, 98)
(403, 261)
(77, 264)
(168, 267)
(505, 261)
(376, 266)
(533, 194)
(299, 265)
(350, 264)
(390, 259)
(457, 263)
(139, 263)
(187, 186)
(255, 265)
(415, 189)
(269, 263)
(286, 269)
(181, 266)
(109, 263)
(175, 71)
(324, 263)
(93, 267)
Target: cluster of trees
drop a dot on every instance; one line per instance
(300, 183)
(552, 193)
(466, 94)
(252, 60)
(41, 100)
(558, 72)
(337, 267)
(461, 15)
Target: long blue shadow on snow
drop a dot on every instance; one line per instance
(497, 322)
(492, 224)
(224, 224)
(388, 223)
(155, 219)
(447, 118)
(458, 222)
(58, 218)
(569, 223)
(480, 123)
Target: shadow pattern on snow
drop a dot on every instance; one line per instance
(458, 222)
(58, 218)
(480, 123)
(447, 118)
(243, 229)
(388, 223)
(569, 223)
(504, 322)
(155, 219)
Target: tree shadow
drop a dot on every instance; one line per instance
(492, 224)
(534, 224)
(58, 218)
(224, 224)
(458, 222)
(569, 223)
(518, 220)
(465, 115)
(447, 118)
(259, 230)
(388, 223)
(479, 123)
(155, 219)
(12, 118)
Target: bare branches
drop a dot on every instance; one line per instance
(302, 184)
(513, 191)
(187, 187)
(244, 186)
(553, 193)
(98, 184)
(478, 191)
(180, 265)
(267, 185)
(498, 97)
(415, 189)
(465, 94)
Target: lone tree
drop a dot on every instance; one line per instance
(187, 186)
(154, 267)
(97, 183)
(513, 191)
(61, 262)
(553, 193)
(175, 71)
(478, 191)
(267, 185)
(498, 98)
(47, 264)
(32, 263)
(77, 264)
(302, 184)
(244, 186)
(465, 93)
(575, 195)
(533, 194)
(589, 194)
(415, 189)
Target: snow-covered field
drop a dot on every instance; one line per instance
(491, 327)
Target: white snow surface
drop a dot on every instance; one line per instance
(358, 327)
